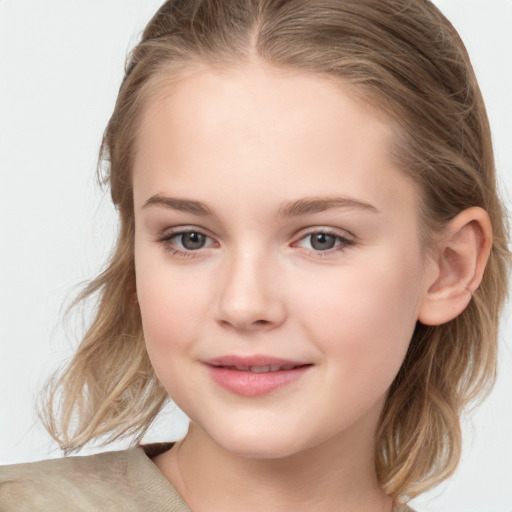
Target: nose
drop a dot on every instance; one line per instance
(250, 297)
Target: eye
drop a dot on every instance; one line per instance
(185, 242)
(191, 241)
(324, 241)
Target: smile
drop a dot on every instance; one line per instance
(254, 376)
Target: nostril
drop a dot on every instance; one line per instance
(256, 324)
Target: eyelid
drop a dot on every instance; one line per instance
(337, 232)
(170, 230)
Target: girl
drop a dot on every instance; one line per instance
(311, 263)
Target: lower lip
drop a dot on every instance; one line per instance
(247, 383)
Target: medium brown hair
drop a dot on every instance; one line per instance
(406, 59)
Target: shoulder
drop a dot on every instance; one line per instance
(71, 483)
(112, 481)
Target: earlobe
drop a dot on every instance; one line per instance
(462, 254)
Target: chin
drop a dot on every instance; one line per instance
(259, 444)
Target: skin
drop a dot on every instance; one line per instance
(247, 143)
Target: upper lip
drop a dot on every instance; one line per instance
(254, 361)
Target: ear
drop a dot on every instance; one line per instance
(458, 267)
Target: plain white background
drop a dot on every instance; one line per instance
(60, 66)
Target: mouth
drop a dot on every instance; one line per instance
(256, 375)
(260, 369)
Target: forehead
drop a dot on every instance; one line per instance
(256, 127)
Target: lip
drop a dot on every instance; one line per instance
(255, 375)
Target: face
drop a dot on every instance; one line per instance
(278, 262)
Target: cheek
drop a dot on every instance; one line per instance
(171, 310)
(365, 316)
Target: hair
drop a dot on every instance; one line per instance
(406, 59)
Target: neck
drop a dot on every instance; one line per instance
(337, 475)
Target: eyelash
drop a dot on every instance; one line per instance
(341, 242)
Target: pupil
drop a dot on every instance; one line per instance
(193, 241)
(322, 241)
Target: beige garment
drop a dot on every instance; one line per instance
(118, 481)
(121, 481)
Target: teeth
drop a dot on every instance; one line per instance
(270, 368)
(264, 369)
(261, 369)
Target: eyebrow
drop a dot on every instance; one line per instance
(183, 205)
(319, 204)
(296, 208)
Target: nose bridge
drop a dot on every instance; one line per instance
(249, 296)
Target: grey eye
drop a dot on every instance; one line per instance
(192, 240)
(322, 241)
